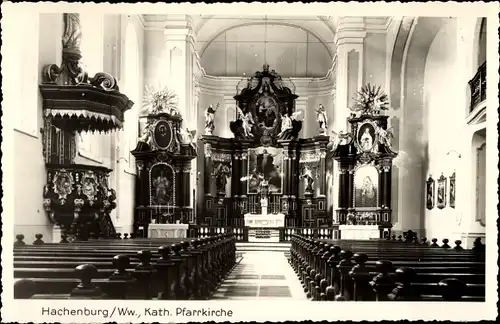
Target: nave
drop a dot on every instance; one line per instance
(215, 268)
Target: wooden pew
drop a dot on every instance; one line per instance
(118, 269)
(330, 271)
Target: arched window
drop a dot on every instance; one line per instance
(91, 47)
(132, 89)
(481, 55)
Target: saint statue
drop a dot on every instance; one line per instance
(221, 173)
(322, 119)
(162, 186)
(366, 140)
(247, 122)
(308, 179)
(210, 118)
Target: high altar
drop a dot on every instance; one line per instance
(265, 177)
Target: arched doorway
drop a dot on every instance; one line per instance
(479, 176)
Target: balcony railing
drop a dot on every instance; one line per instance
(478, 87)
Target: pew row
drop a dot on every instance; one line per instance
(119, 269)
(381, 270)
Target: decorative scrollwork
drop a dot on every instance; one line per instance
(50, 73)
(105, 81)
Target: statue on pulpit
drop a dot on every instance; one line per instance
(210, 118)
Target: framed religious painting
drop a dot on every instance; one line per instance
(429, 193)
(452, 190)
(441, 192)
(366, 137)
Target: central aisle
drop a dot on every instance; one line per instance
(261, 275)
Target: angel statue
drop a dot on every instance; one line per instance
(322, 119)
(385, 135)
(291, 124)
(145, 140)
(210, 118)
(286, 124)
(339, 137)
(187, 137)
(247, 122)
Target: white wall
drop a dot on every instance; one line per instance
(41, 46)
(442, 126)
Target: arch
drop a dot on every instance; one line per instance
(478, 194)
(322, 41)
(479, 46)
(396, 65)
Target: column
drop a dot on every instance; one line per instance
(381, 187)
(236, 174)
(349, 73)
(350, 187)
(322, 166)
(207, 173)
(186, 190)
(179, 50)
(244, 171)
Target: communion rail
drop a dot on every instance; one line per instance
(285, 233)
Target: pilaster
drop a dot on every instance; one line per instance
(349, 72)
(179, 55)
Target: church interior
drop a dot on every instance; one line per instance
(207, 147)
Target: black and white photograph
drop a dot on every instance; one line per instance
(167, 162)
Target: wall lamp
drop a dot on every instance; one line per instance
(453, 151)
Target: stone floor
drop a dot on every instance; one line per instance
(261, 275)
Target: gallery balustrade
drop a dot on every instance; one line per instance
(478, 87)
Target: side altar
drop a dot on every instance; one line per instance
(265, 177)
(163, 159)
(364, 156)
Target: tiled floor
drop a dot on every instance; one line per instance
(261, 275)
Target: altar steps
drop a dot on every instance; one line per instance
(243, 247)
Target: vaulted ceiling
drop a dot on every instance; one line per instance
(239, 45)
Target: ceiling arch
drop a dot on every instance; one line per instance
(294, 47)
